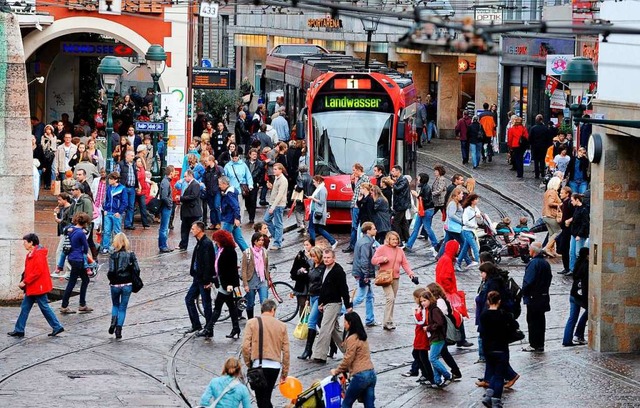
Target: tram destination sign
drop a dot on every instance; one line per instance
(213, 78)
(149, 126)
(378, 103)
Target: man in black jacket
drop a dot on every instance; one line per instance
(190, 207)
(202, 272)
(241, 132)
(212, 192)
(540, 142)
(401, 203)
(535, 294)
(333, 293)
(166, 206)
(129, 179)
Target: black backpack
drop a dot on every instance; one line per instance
(513, 294)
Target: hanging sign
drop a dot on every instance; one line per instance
(556, 64)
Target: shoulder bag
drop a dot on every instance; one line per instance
(255, 375)
(226, 389)
(136, 280)
(453, 226)
(385, 276)
(243, 187)
(302, 328)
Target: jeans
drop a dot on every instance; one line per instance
(185, 230)
(314, 313)
(142, 204)
(422, 135)
(464, 149)
(77, 271)
(263, 395)
(120, 300)
(131, 203)
(163, 231)
(497, 363)
(354, 227)
(439, 370)
(424, 223)
(110, 224)
(237, 235)
(469, 241)
(63, 257)
(214, 208)
(431, 130)
(274, 223)
(365, 294)
(362, 383)
(448, 360)
(263, 293)
(578, 186)
(476, 153)
(196, 289)
(574, 313)
(448, 236)
(312, 233)
(25, 308)
(575, 245)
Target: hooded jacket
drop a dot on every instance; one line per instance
(229, 206)
(116, 200)
(36, 272)
(445, 274)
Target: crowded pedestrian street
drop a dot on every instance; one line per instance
(155, 364)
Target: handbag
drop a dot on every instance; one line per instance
(420, 207)
(453, 333)
(302, 328)
(136, 280)
(317, 215)
(385, 276)
(526, 161)
(515, 334)
(255, 375)
(453, 226)
(244, 188)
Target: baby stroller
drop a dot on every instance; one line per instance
(323, 394)
(487, 239)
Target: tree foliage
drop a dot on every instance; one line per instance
(213, 102)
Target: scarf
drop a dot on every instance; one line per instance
(220, 249)
(258, 260)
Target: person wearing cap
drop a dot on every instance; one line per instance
(141, 152)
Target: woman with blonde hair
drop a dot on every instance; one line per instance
(123, 265)
(453, 224)
(228, 390)
(390, 257)
(551, 203)
(470, 185)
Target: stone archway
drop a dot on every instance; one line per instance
(72, 25)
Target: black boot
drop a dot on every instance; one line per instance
(249, 313)
(333, 349)
(114, 320)
(311, 337)
(118, 332)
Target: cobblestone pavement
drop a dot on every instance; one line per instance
(156, 365)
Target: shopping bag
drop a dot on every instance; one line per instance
(458, 302)
(302, 328)
(307, 208)
(527, 158)
(420, 207)
(291, 209)
(453, 333)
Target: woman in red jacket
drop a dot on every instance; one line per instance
(143, 192)
(36, 283)
(446, 277)
(516, 135)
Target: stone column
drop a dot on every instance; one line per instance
(614, 280)
(16, 172)
(486, 80)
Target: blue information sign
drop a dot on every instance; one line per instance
(150, 126)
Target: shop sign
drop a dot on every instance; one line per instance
(327, 22)
(96, 49)
(558, 99)
(488, 15)
(116, 6)
(529, 49)
(556, 64)
(208, 10)
(466, 66)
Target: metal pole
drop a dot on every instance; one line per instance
(109, 130)
(368, 54)
(157, 175)
(165, 138)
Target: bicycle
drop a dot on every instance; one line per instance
(282, 293)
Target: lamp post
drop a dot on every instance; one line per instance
(370, 25)
(156, 62)
(110, 71)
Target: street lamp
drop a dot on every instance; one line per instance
(156, 62)
(370, 25)
(110, 71)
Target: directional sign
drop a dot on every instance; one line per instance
(150, 126)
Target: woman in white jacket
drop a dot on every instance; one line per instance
(470, 217)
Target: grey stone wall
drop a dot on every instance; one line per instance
(16, 172)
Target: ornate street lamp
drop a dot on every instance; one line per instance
(110, 72)
(370, 25)
(156, 62)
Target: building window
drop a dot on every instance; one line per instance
(248, 40)
(224, 43)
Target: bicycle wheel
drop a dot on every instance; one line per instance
(287, 302)
(224, 313)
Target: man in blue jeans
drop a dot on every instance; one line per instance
(202, 272)
(277, 204)
(364, 271)
(115, 204)
(230, 212)
(166, 204)
(129, 180)
(357, 178)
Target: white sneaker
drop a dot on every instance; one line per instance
(434, 252)
(335, 244)
(472, 264)
(458, 268)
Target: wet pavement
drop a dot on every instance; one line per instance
(156, 365)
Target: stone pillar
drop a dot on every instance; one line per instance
(614, 280)
(448, 95)
(16, 172)
(486, 80)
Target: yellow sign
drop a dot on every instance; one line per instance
(326, 22)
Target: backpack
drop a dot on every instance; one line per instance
(66, 244)
(512, 294)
